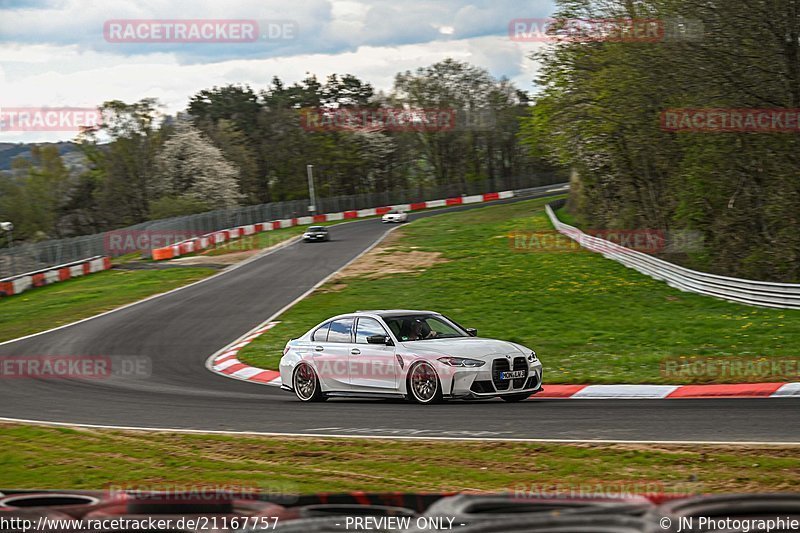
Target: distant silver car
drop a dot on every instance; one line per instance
(419, 355)
(316, 233)
(395, 216)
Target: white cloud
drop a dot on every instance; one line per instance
(59, 64)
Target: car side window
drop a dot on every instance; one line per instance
(340, 330)
(321, 335)
(367, 327)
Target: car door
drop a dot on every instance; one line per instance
(373, 367)
(331, 345)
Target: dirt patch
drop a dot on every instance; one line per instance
(385, 260)
(335, 287)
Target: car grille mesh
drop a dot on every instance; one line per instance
(500, 365)
(520, 364)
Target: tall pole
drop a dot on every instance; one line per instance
(311, 195)
(10, 250)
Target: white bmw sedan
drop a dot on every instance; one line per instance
(419, 355)
(395, 216)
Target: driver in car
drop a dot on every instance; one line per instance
(420, 330)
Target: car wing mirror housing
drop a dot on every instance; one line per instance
(380, 339)
(472, 331)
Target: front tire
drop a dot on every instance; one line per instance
(305, 384)
(513, 398)
(423, 384)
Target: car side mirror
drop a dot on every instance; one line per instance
(380, 339)
(472, 331)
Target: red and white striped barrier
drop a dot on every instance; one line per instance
(218, 237)
(227, 364)
(668, 392)
(18, 284)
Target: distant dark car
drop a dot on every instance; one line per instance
(316, 233)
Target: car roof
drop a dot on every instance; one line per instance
(316, 227)
(383, 313)
(397, 312)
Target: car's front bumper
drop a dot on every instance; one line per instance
(485, 382)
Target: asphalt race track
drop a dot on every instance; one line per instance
(180, 330)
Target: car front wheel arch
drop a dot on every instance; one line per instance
(423, 385)
(306, 384)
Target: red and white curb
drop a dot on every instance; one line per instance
(227, 364)
(217, 237)
(23, 282)
(668, 392)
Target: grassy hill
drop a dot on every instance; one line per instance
(590, 319)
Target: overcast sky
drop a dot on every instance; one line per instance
(56, 53)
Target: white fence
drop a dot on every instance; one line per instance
(758, 293)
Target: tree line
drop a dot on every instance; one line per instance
(236, 145)
(600, 113)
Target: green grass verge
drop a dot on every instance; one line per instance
(61, 303)
(65, 458)
(590, 319)
(67, 301)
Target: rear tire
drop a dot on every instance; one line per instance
(513, 398)
(423, 384)
(305, 384)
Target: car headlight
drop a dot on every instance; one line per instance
(532, 357)
(462, 362)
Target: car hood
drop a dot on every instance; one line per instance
(474, 347)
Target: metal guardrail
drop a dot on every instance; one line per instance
(750, 292)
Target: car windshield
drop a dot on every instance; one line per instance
(423, 327)
(317, 228)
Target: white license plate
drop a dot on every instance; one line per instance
(514, 374)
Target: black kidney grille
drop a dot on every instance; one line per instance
(500, 365)
(520, 364)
